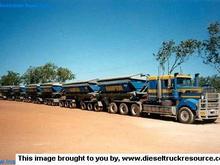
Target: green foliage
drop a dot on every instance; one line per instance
(213, 81)
(175, 55)
(33, 75)
(64, 74)
(47, 73)
(11, 78)
(165, 52)
(208, 49)
(211, 47)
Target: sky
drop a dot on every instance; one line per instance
(100, 38)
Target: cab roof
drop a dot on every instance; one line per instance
(165, 77)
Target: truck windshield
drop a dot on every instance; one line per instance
(184, 81)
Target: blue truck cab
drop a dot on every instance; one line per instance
(178, 95)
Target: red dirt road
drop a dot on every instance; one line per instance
(32, 128)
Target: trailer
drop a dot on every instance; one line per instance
(19, 93)
(119, 95)
(51, 93)
(78, 94)
(33, 93)
(6, 92)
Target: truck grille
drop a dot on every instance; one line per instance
(210, 105)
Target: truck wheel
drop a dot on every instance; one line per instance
(70, 105)
(49, 102)
(123, 109)
(135, 110)
(113, 108)
(73, 105)
(97, 108)
(53, 103)
(89, 106)
(61, 104)
(186, 116)
(83, 105)
(66, 104)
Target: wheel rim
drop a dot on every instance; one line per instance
(70, 105)
(123, 108)
(113, 108)
(90, 107)
(96, 108)
(135, 110)
(83, 106)
(184, 116)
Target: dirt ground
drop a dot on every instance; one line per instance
(33, 128)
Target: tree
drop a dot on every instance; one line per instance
(213, 81)
(164, 53)
(11, 78)
(47, 73)
(33, 75)
(211, 47)
(64, 74)
(176, 54)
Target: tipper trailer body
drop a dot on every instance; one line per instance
(33, 93)
(77, 94)
(19, 93)
(51, 93)
(6, 92)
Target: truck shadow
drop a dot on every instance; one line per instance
(158, 117)
(173, 119)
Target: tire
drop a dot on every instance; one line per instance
(135, 110)
(210, 120)
(123, 109)
(97, 108)
(70, 105)
(185, 115)
(53, 103)
(90, 106)
(49, 102)
(73, 105)
(83, 105)
(113, 108)
(61, 104)
(66, 104)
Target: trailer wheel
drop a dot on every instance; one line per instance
(123, 109)
(97, 108)
(70, 105)
(73, 105)
(66, 104)
(83, 105)
(135, 110)
(89, 106)
(61, 104)
(186, 116)
(113, 108)
(45, 102)
(49, 102)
